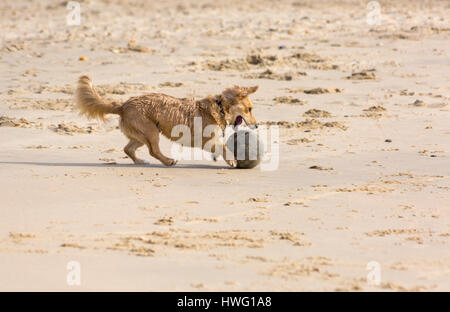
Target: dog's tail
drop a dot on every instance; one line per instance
(90, 103)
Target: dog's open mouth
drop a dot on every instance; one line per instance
(239, 120)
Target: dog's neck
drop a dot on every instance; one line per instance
(213, 106)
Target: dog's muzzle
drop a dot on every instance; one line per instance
(240, 120)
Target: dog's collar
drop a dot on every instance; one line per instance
(222, 112)
(219, 103)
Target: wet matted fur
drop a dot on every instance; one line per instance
(143, 117)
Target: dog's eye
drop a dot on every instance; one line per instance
(250, 109)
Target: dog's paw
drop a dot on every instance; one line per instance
(170, 162)
(232, 163)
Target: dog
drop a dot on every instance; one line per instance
(143, 118)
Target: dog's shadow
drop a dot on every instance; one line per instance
(106, 165)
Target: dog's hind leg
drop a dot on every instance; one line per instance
(130, 150)
(151, 133)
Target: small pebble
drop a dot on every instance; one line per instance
(418, 103)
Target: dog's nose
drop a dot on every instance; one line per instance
(256, 126)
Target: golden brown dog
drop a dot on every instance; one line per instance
(142, 118)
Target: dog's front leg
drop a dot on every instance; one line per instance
(228, 156)
(219, 148)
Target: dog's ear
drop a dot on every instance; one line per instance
(251, 90)
(246, 91)
(238, 92)
(231, 94)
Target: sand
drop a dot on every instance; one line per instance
(364, 168)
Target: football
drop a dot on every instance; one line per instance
(247, 148)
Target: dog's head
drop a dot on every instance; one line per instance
(238, 107)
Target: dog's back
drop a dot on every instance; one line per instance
(164, 110)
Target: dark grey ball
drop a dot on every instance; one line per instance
(247, 148)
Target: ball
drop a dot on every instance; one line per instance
(247, 148)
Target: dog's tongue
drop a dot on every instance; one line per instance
(238, 121)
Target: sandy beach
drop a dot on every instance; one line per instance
(362, 186)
